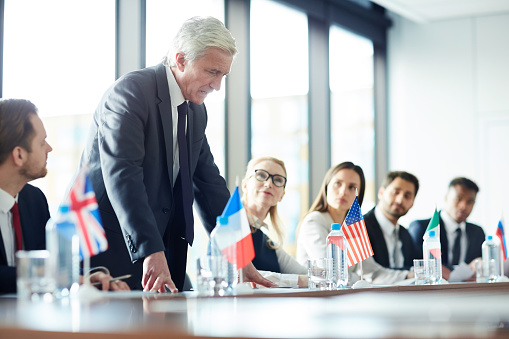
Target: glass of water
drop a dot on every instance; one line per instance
(320, 273)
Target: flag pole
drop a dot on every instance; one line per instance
(239, 271)
(86, 270)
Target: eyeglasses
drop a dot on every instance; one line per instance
(263, 175)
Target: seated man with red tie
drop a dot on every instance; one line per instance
(461, 241)
(23, 207)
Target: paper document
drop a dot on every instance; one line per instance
(461, 272)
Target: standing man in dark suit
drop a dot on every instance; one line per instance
(461, 241)
(391, 242)
(149, 159)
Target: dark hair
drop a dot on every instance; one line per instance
(320, 203)
(467, 183)
(15, 126)
(403, 175)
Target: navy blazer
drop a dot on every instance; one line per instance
(33, 214)
(129, 152)
(475, 238)
(376, 237)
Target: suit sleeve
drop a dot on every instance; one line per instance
(122, 124)
(7, 279)
(210, 191)
(312, 236)
(417, 229)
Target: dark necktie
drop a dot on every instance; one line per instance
(185, 178)
(456, 247)
(17, 226)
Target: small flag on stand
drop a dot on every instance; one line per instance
(239, 225)
(80, 208)
(434, 225)
(501, 236)
(354, 228)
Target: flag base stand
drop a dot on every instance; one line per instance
(362, 284)
(243, 289)
(89, 293)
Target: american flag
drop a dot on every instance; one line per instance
(354, 228)
(81, 209)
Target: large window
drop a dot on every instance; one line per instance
(279, 88)
(352, 106)
(60, 55)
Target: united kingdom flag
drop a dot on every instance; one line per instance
(80, 208)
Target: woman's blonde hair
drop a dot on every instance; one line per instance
(274, 218)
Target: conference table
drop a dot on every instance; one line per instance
(460, 310)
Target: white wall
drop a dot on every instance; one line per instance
(449, 110)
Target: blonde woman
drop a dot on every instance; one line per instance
(263, 188)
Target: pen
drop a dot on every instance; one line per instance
(127, 276)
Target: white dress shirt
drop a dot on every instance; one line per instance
(177, 98)
(312, 244)
(290, 268)
(6, 228)
(391, 236)
(450, 228)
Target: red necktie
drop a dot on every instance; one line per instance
(17, 226)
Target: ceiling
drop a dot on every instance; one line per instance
(434, 10)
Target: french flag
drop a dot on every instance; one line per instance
(241, 239)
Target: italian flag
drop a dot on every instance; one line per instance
(434, 225)
(238, 247)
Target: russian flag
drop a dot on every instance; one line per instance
(501, 237)
(241, 239)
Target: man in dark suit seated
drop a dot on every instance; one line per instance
(461, 241)
(23, 207)
(392, 244)
(23, 154)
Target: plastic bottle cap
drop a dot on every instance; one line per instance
(489, 237)
(431, 233)
(222, 220)
(336, 227)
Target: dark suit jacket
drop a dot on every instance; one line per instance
(33, 214)
(130, 156)
(376, 237)
(475, 238)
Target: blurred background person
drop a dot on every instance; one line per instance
(337, 193)
(392, 245)
(460, 240)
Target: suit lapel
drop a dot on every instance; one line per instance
(444, 243)
(163, 92)
(3, 257)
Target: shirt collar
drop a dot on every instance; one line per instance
(450, 224)
(385, 224)
(255, 222)
(176, 95)
(6, 201)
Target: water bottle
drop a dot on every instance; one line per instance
(431, 249)
(336, 249)
(223, 242)
(62, 242)
(491, 258)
